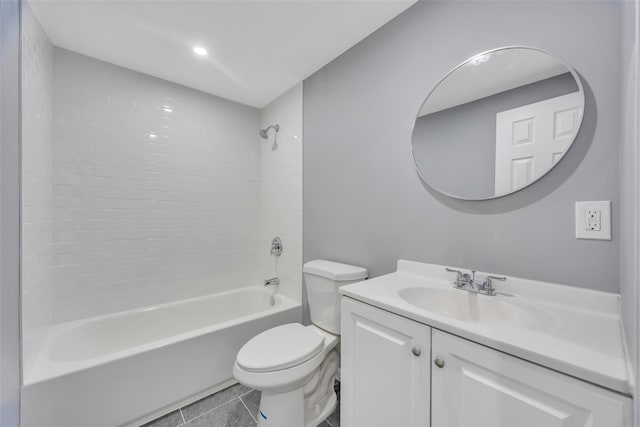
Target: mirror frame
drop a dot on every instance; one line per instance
(576, 77)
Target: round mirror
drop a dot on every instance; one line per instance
(497, 123)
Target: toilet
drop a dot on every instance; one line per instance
(294, 366)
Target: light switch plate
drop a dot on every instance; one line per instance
(593, 220)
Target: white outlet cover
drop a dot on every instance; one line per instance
(582, 231)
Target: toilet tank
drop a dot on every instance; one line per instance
(323, 278)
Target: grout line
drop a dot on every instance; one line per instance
(213, 409)
(200, 415)
(184, 420)
(245, 407)
(204, 398)
(233, 398)
(247, 392)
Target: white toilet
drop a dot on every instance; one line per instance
(294, 366)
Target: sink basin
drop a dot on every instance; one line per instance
(472, 307)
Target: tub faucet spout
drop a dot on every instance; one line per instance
(272, 282)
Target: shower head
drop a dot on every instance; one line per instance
(263, 132)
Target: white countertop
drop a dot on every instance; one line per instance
(575, 331)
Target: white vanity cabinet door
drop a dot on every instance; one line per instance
(482, 387)
(385, 369)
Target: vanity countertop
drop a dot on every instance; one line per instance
(571, 330)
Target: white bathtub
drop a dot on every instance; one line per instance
(128, 367)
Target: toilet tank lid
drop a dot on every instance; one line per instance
(334, 270)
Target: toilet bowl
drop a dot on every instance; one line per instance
(294, 377)
(294, 366)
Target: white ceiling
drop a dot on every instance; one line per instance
(258, 49)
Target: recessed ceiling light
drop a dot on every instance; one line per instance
(200, 51)
(152, 135)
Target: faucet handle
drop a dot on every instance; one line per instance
(461, 279)
(487, 287)
(452, 270)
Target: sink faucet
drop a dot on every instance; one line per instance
(469, 283)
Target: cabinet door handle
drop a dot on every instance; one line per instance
(439, 362)
(416, 351)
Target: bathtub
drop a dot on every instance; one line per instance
(127, 368)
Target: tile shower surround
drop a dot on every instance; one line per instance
(139, 191)
(235, 406)
(281, 190)
(37, 154)
(155, 190)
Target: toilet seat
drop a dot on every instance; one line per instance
(280, 348)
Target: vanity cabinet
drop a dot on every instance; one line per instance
(449, 381)
(385, 368)
(479, 386)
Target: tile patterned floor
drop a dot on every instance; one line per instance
(235, 406)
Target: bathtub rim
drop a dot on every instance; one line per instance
(46, 369)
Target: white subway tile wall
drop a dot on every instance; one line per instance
(281, 191)
(156, 190)
(37, 214)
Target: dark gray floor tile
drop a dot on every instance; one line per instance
(324, 424)
(172, 419)
(231, 414)
(211, 402)
(334, 418)
(252, 400)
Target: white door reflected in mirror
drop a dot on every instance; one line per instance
(531, 139)
(497, 123)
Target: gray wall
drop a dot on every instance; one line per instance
(460, 160)
(363, 201)
(9, 213)
(629, 182)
